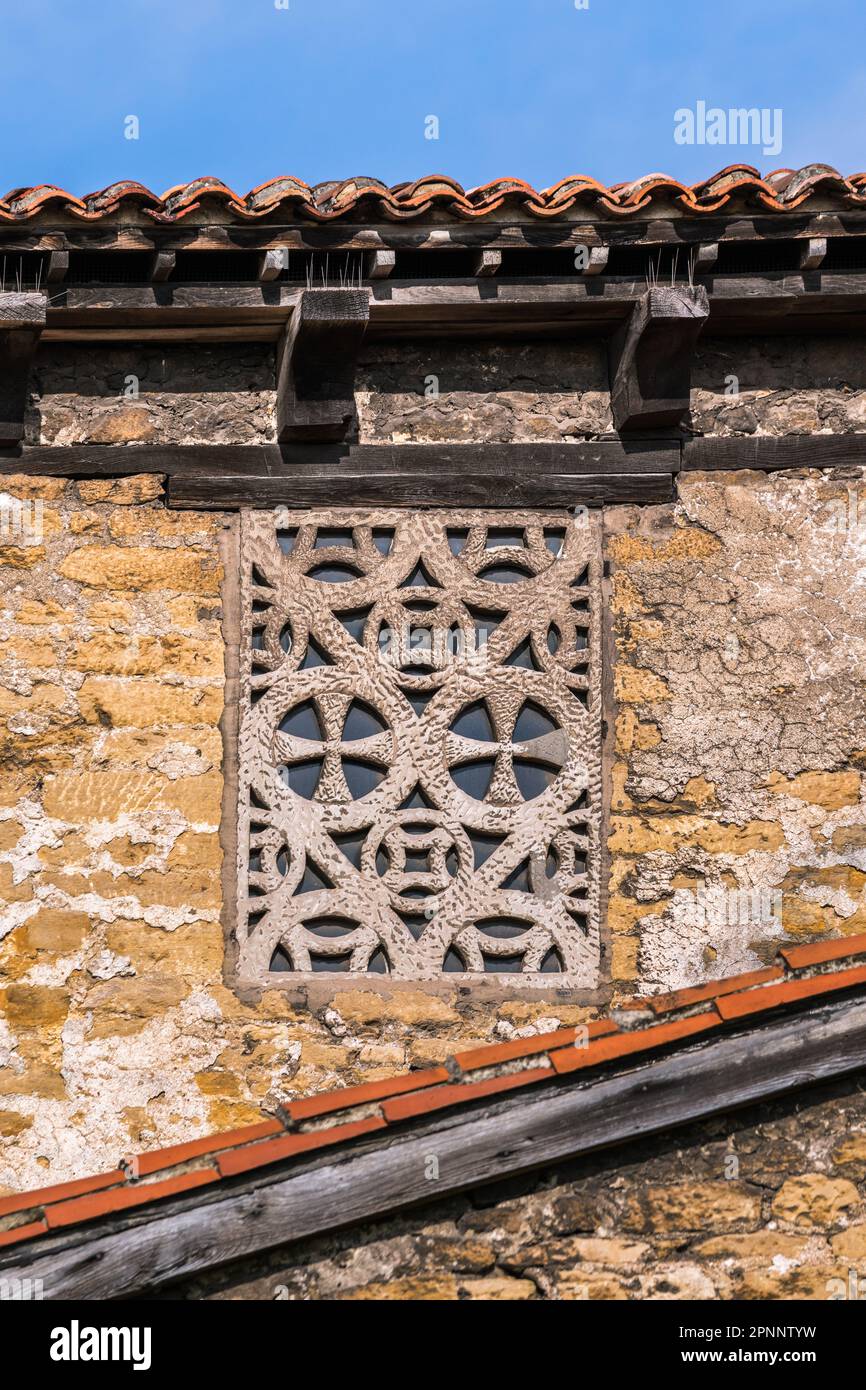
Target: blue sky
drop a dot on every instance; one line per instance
(245, 90)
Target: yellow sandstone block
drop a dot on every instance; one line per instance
(141, 569)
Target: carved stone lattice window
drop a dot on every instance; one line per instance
(419, 746)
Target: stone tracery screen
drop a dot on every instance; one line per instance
(419, 746)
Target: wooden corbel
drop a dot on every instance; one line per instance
(650, 357)
(22, 319)
(317, 365)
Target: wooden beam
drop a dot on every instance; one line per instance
(651, 357)
(162, 265)
(587, 304)
(327, 465)
(22, 319)
(273, 263)
(380, 264)
(317, 365)
(705, 257)
(769, 452)
(118, 460)
(601, 456)
(487, 263)
(812, 252)
(595, 260)
(526, 233)
(546, 1126)
(58, 267)
(436, 488)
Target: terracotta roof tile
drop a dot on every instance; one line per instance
(775, 996)
(780, 191)
(271, 1150)
(28, 1232)
(140, 1165)
(684, 998)
(626, 1044)
(441, 1097)
(496, 1053)
(346, 1097)
(119, 1198)
(817, 952)
(43, 1196)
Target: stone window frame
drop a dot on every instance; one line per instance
(311, 989)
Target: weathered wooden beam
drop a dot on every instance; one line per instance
(22, 319)
(594, 261)
(348, 487)
(812, 252)
(327, 465)
(582, 457)
(769, 452)
(583, 304)
(705, 257)
(380, 264)
(162, 265)
(116, 460)
(520, 233)
(552, 1124)
(317, 364)
(651, 357)
(273, 263)
(58, 267)
(487, 263)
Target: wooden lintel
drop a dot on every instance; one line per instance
(22, 319)
(651, 356)
(487, 263)
(161, 265)
(325, 466)
(317, 364)
(380, 264)
(436, 488)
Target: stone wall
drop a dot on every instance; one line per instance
(163, 394)
(737, 814)
(436, 392)
(499, 392)
(767, 1204)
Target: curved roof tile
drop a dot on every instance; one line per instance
(782, 190)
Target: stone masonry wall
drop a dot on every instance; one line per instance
(163, 394)
(461, 391)
(737, 814)
(439, 391)
(767, 1204)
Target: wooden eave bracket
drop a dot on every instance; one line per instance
(650, 357)
(22, 319)
(317, 365)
